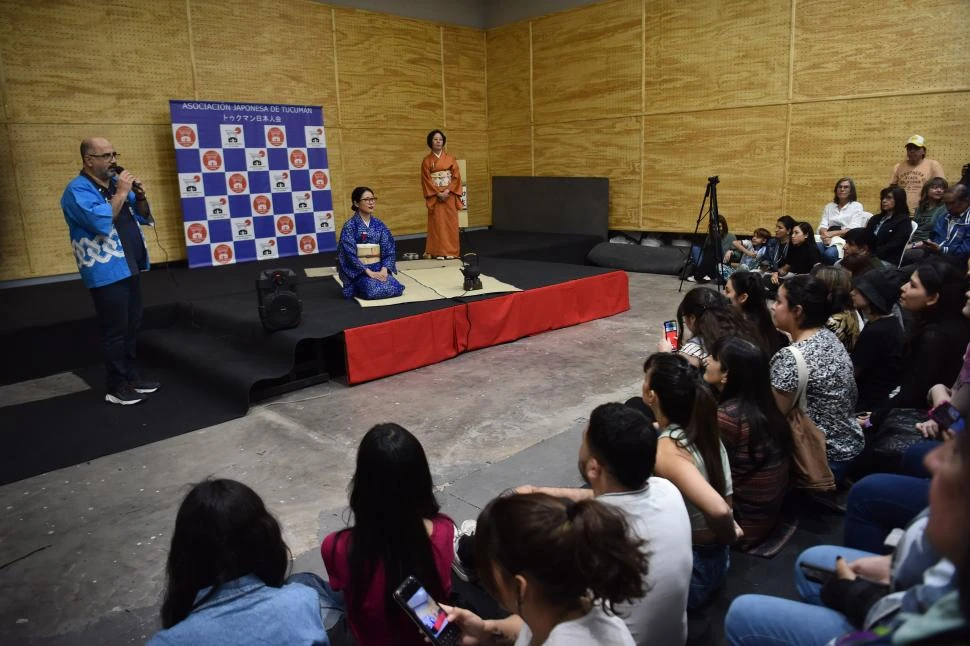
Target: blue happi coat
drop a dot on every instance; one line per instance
(355, 280)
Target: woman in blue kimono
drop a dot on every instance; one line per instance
(361, 279)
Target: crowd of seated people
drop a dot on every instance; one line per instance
(700, 463)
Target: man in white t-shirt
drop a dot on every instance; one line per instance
(616, 459)
(915, 171)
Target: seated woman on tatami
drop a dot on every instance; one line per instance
(366, 254)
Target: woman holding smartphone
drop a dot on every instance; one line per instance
(397, 532)
(560, 566)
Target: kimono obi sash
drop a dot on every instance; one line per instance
(441, 178)
(368, 253)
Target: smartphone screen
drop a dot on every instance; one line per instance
(670, 333)
(426, 612)
(816, 573)
(947, 416)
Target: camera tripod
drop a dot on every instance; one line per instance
(713, 242)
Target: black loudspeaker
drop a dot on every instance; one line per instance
(279, 306)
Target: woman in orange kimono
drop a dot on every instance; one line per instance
(441, 181)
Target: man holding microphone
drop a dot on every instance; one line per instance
(104, 206)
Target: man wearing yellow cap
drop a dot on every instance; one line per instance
(915, 171)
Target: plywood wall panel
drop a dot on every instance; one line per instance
(224, 42)
(863, 139)
(706, 55)
(745, 147)
(53, 151)
(509, 75)
(587, 63)
(843, 50)
(472, 146)
(510, 151)
(603, 148)
(464, 61)
(389, 70)
(388, 161)
(14, 261)
(63, 64)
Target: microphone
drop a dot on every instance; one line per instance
(134, 185)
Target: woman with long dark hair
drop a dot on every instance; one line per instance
(690, 454)
(747, 293)
(397, 532)
(801, 256)
(226, 573)
(804, 305)
(935, 296)
(561, 566)
(706, 316)
(891, 227)
(755, 434)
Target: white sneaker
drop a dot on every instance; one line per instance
(690, 279)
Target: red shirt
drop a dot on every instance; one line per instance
(370, 625)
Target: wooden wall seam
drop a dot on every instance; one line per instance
(336, 67)
(195, 71)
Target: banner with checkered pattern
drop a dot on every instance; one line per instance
(254, 181)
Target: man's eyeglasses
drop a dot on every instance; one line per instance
(105, 156)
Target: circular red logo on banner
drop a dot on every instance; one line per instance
(261, 204)
(197, 232)
(222, 254)
(285, 225)
(308, 244)
(320, 179)
(237, 183)
(212, 160)
(185, 136)
(275, 136)
(298, 158)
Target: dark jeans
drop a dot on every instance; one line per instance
(118, 306)
(878, 504)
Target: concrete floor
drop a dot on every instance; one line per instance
(82, 549)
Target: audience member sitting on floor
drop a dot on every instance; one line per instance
(939, 333)
(707, 316)
(891, 227)
(804, 304)
(367, 276)
(226, 576)
(755, 434)
(877, 358)
(746, 292)
(802, 255)
(616, 459)
(777, 247)
(706, 258)
(928, 600)
(844, 323)
(748, 253)
(844, 212)
(560, 566)
(951, 232)
(397, 532)
(690, 455)
(857, 253)
(930, 209)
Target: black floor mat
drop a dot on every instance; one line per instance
(53, 433)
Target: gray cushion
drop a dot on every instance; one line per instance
(630, 257)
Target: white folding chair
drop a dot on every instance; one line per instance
(909, 240)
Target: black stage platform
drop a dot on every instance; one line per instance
(202, 338)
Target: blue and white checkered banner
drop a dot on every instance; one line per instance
(254, 181)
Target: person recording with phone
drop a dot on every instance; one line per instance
(105, 207)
